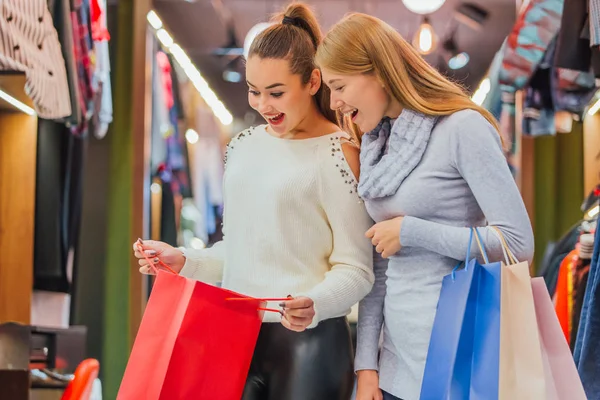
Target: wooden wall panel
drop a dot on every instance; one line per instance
(18, 138)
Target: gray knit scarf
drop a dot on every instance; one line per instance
(381, 174)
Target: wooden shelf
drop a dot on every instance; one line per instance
(13, 84)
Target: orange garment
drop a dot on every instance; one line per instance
(563, 297)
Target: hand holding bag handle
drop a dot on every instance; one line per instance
(509, 257)
(468, 255)
(155, 269)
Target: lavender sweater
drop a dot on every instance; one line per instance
(462, 181)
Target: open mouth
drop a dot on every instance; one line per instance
(276, 119)
(351, 114)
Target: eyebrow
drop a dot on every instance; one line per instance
(268, 87)
(333, 80)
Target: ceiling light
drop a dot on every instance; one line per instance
(155, 188)
(423, 6)
(425, 39)
(164, 38)
(16, 103)
(459, 61)
(197, 243)
(453, 56)
(252, 34)
(593, 212)
(232, 76)
(191, 136)
(482, 92)
(594, 109)
(154, 20)
(211, 99)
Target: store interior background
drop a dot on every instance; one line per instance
(123, 194)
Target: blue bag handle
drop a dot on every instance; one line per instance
(468, 255)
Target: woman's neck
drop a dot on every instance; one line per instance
(394, 110)
(314, 124)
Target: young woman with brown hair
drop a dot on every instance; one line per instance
(293, 222)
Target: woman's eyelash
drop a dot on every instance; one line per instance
(276, 95)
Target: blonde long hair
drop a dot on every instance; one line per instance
(363, 44)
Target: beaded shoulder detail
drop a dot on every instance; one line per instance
(341, 164)
(235, 141)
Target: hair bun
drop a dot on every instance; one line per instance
(290, 20)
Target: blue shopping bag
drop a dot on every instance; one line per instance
(463, 356)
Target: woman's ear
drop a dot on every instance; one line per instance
(315, 81)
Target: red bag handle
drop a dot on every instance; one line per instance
(155, 269)
(151, 264)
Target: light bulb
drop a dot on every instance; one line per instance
(425, 39)
(482, 91)
(252, 34)
(191, 136)
(459, 61)
(423, 6)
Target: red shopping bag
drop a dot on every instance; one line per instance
(192, 343)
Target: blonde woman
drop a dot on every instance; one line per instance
(431, 167)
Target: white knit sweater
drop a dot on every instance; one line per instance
(293, 225)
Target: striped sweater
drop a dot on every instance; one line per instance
(29, 43)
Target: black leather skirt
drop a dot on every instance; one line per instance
(317, 364)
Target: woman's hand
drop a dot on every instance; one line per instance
(298, 313)
(156, 251)
(385, 236)
(368, 386)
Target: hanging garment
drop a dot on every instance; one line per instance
(99, 29)
(176, 89)
(160, 125)
(582, 269)
(574, 51)
(572, 90)
(538, 108)
(59, 191)
(101, 84)
(552, 90)
(61, 16)
(29, 43)
(103, 105)
(549, 270)
(563, 297)
(165, 75)
(587, 351)
(594, 18)
(83, 56)
(527, 43)
(168, 217)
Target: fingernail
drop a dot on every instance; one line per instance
(140, 240)
(156, 260)
(282, 305)
(281, 312)
(152, 252)
(289, 296)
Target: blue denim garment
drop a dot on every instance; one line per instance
(587, 351)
